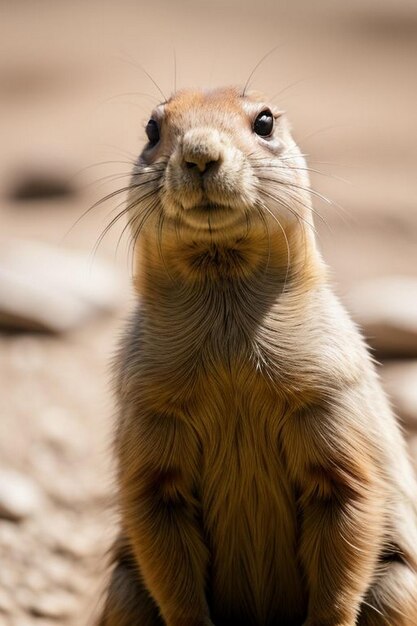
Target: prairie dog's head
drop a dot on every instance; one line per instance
(217, 165)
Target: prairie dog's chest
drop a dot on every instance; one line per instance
(249, 507)
(238, 416)
(239, 420)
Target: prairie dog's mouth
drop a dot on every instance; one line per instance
(210, 216)
(209, 207)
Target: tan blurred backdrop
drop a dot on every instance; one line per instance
(74, 93)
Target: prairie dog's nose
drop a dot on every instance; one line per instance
(201, 148)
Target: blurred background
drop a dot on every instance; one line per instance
(74, 95)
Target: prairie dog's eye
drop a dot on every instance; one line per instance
(264, 123)
(152, 132)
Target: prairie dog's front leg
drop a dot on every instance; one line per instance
(159, 459)
(342, 528)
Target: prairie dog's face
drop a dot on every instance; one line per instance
(218, 160)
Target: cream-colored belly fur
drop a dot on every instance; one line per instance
(249, 508)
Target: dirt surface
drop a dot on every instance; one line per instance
(346, 76)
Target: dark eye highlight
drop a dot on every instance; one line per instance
(264, 123)
(152, 132)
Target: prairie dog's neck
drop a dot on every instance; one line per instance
(197, 283)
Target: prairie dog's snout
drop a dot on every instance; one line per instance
(202, 149)
(206, 171)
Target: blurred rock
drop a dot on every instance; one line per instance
(20, 497)
(35, 580)
(386, 310)
(55, 604)
(68, 490)
(24, 597)
(42, 173)
(41, 185)
(69, 535)
(78, 545)
(9, 538)
(61, 430)
(64, 573)
(400, 381)
(51, 289)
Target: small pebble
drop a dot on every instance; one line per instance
(55, 605)
(20, 497)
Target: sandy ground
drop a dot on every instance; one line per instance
(344, 72)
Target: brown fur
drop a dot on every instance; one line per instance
(263, 479)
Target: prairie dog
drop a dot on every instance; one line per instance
(263, 479)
